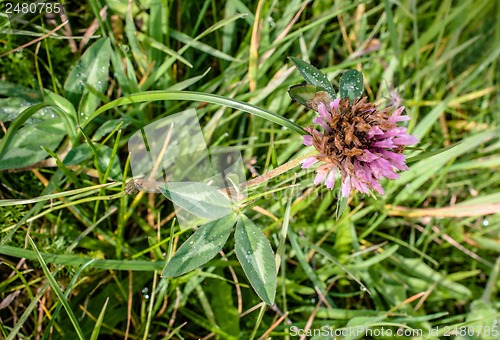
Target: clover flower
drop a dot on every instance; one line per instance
(359, 141)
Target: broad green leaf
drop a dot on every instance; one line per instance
(256, 256)
(64, 105)
(351, 85)
(197, 198)
(78, 155)
(201, 247)
(64, 109)
(92, 70)
(9, 89)
(313, 76)
(24, 148)
(16, 125)
(11, 107)
(309, 95)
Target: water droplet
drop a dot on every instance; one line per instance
(486, 222)
(146, 296)
(145, 290)
(313, 300)
(363, 289)
(271, 21)
(249, 252)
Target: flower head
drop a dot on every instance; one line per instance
(359, 141)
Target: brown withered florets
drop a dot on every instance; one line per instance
(359, 142)
(347, 136)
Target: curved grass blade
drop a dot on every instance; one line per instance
(428, 154)
(199, 97)
(76, 260)
(25, 115)
(16, 125)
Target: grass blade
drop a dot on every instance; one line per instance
(199, 97)
(98, 324)
(57, 290)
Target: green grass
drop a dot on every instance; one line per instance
(80, 258)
